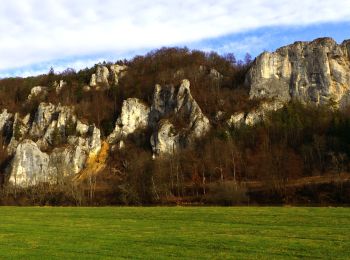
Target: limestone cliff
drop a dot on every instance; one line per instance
(316, 72)
(168, 103)
(50, 147)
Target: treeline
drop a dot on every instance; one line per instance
(163, 66)
(295, 142)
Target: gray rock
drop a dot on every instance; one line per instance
(82, 128)
(255, 116)
(4, 119)
(165, 140)
(20, 128)
(134, 116)
(118, 72)
(29, 165)
(94, 140)
(59, 86)
(42, 119)
(236, 120)
(100, 78)
(93, 82)
(316, 72)
(38, 91)
(181, 104)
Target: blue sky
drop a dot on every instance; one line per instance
(36, 34)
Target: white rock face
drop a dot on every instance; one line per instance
(59, 86)
(51, 122)
(118, 71)
(236, 120)
(316, 72)
(100, 78)
(81, 128)
(4, 119)
(43, 118)
(66, 118)
(255, 116)
(93, 82)
(165, 102)
(134, 115)
(68, 161)
(166, 139)
(20, 129)
(29, 165)
(94, 141)
(37, 91)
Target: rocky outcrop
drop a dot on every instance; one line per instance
(38, 92)
(182, 107)
(81, 128)
(118, 72)
(29, 165)
(52, 126)
(59, 86)
(165, 139)
(169, 103)
(100, 78)
(4, 119)
(19, 131)
(316, 72)
(43, 118)
(254, 116)
(134, 116)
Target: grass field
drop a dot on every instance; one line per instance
(174, 232)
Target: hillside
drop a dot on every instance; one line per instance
(182, 126)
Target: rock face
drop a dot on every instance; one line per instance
(59, 86)
(29, 165)
(255, 116)
(166, 102)
(317, 72)
(38, 91)
(100, 78)
(118, 71)
(134, 115)
(51, 126)
(4, 119)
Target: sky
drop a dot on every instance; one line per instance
(37, 34)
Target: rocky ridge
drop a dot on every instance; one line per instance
(317, 72)
(54, 144)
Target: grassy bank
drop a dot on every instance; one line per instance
(170, 232)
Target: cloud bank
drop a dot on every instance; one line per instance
(36, 31)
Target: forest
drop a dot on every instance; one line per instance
(298, 155)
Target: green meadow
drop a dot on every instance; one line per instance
(174, 232)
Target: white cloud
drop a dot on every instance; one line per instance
(36, 31)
